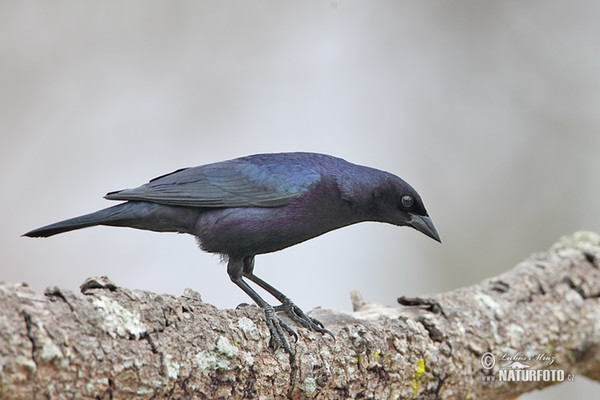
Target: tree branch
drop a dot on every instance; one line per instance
(119, 343)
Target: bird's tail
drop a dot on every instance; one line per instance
(115, 215)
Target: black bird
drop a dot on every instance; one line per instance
(259, 204)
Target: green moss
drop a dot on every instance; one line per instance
(418, 374)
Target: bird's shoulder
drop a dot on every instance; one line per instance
(265, 180)
(356, 183)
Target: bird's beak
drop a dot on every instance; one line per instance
(424, 224)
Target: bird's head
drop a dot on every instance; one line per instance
(397, 203)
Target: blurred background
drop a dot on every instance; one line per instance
(489, 109)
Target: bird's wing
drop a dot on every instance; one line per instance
(234, 183)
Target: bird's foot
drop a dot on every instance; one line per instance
(298, 316)
(276, 327)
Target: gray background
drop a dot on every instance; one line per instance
(489, 109)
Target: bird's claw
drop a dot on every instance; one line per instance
(276, 327)
(297, 315)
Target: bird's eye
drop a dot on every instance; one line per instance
(407, 201)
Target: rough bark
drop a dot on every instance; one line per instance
(118, 343)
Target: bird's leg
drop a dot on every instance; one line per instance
(275, 324)
(292, 310)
